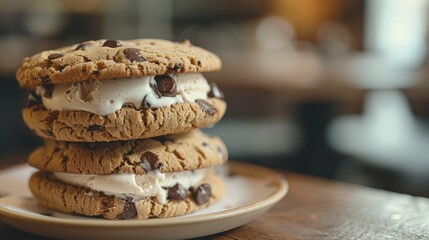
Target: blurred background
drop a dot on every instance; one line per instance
(331, 88)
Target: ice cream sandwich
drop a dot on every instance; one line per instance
(109, 90)
(159, 177)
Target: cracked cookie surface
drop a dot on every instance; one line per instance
(65, 198)
(171, 153)
(112, 59)
(124, 124)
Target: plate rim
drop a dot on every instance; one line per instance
(235, 166)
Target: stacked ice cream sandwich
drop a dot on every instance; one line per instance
(119, 120)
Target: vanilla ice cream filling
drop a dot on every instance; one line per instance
(108, 96)
(152, 184)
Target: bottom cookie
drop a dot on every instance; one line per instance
(65, 198)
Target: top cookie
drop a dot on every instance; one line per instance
(111, 59)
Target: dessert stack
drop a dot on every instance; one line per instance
(120, 125)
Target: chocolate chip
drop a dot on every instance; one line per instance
(166, 85)
(52, 116)
(82, 46)
(202, 193)
(206, 107)
(155, 89)
(175, 69)
(54, 56)
(112, 43)
(61, 68)
(128, 105)
(150, 161)
(129, 211)
(33, 100)
(133, 54)
(215, 92)
(49, 89)
(44, 79)
(204, 144)
(177, 192)
(145, 104)
(96, 127)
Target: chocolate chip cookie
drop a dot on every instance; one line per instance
(109, 90)
(137, 179)
(113, 59)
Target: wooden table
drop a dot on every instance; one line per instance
(322, 209)
(316, 208)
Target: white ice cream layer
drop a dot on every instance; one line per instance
(110, 95)
(151, 184)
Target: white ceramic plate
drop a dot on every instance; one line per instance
(250, 191)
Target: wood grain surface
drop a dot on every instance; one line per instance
(322, 209)
(316, 208)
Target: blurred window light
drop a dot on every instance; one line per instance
(274, 33)
(386, 135)
(389, 119)
(397, 30)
